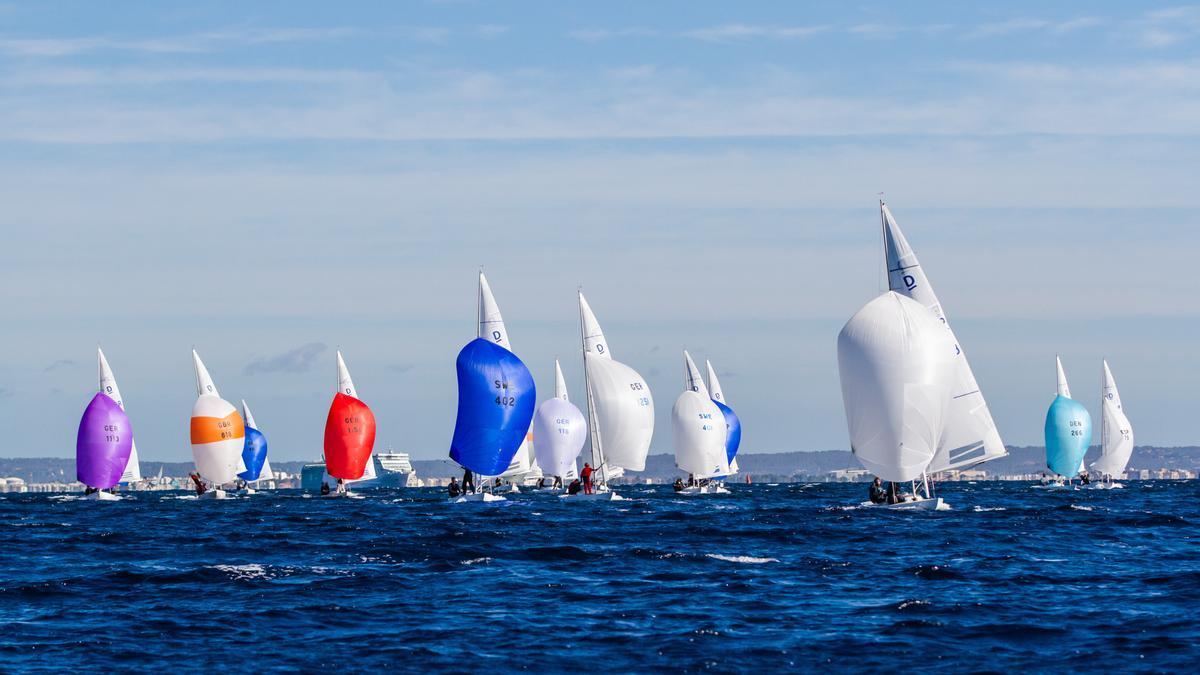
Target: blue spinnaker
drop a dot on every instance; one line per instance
(496, 397)
(733, 430)
(1068, 434)
(254, 454)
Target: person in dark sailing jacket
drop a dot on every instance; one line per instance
(468, 484)
(878, 494)
(453, 488)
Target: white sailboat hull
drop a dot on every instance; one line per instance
(606, 496)
(102, 497)
(710, 489)
(216, 493)
(919, 504)
(485, 497)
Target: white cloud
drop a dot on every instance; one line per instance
(1162, 28)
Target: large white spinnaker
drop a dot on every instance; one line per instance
(896, 364)
(559, 431)
(108, 385)
(970, 436)
(620, 406)
(217, 431)
(1116, 433)
(698, 428)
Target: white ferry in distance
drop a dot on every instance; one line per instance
(390, 469)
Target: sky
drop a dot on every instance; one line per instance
(268, 182)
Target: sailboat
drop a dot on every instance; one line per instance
(103, 444)
(559, 431)
(496, 397)
(218, 434)
(254, 452)
(1116, 435)
(699, 432)
(108, 385)
(896, 363)
(349, 433)
(733, 425)
(620, 409)
(970, 436)
(1068, 430)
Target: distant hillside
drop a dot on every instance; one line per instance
(774, 466)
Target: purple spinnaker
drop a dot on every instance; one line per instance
(104, 442)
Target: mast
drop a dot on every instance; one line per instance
(593, 428)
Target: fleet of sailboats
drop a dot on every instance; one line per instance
(913, 408)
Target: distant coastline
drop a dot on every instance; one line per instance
(770, 467)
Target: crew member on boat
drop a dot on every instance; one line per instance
(586, 475)
(468, 483)
(878, 494)
(453, 488)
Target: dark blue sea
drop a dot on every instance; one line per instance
(780, 577)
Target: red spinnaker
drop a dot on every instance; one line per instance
(349, 437)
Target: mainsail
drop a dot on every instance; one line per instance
(559, 431)
(103, 444)
(496, 398)
(217, 431)
(108, 385)
(698, 428)
(620, 406)
(970, 436)
(254, 452)
(1116, 433)
(1068, 430)
(349, 430)
(733, 425)
(896, 364)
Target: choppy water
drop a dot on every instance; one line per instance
(770, 577)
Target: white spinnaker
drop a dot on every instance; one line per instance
(896, 364)
(345, 384)
(108, 385)
(1116, 432)
(698, 430)
(1064, 389)
(491, 324)
(623, 411)
(220, 460)
(714, 385)
(970, 436)
(560, 385)
(692, 381)
(559, 431)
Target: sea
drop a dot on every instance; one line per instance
(789, 577)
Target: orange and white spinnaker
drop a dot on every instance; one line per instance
(218, 432)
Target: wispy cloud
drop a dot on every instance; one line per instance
(1032, 25)
(1168, 27)
(61, 363)
(729, 32)
(178, 44)
(298, 360)
(401, 367)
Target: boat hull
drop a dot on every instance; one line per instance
(485, 497)
(606, 496)
(102, 497)
(710, 489)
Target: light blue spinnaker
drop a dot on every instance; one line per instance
(1068, 430)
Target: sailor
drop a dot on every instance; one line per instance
(453, 488)
(558, 482)
(1085, 478)
(893, 493)
(324, 487)
(90, 490)
(878, 494)
(574, 487)
(341, 486)
(200, 489)
(468, 484)
(691, 480)
(678, 485)
(586, 475)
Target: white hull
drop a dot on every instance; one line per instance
(1105, 486)
(606, 496)
(102, 497)
(214, 494)
(1053, 486)
(344, 495)
(485, 497)
(710, 489)
(936, 504)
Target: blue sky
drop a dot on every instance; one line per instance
(266, 183)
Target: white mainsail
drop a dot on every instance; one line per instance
(714, 385)
(1116, 433)
(218, 431)
(896, 364)
(560, 383)
(620, 406)
(970, 436)
(491, 324)
(108, 385)
(1064, 389)
(698, 428)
